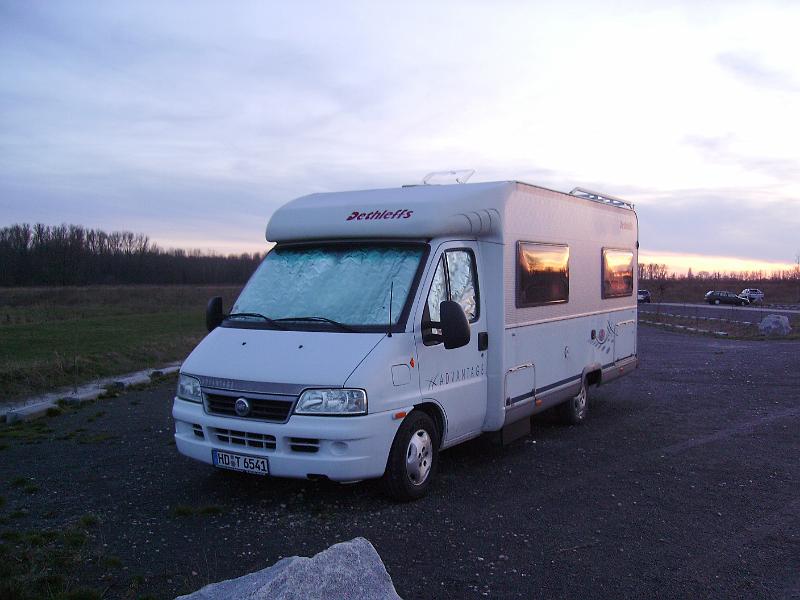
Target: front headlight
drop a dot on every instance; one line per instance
(332, 402)
(189, 388)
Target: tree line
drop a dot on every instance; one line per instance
(660, 272)
(63, 255)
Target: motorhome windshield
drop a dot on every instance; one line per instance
(321, 286)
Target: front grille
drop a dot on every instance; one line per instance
(266, 409)
(245, 438)
(304, 444)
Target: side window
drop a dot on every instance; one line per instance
(462, 278)
(542, 274)
(455, 279)
(617, 273)
(438, 292)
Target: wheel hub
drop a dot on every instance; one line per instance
(418, 457)
(580, 402)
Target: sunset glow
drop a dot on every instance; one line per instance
(681, 263)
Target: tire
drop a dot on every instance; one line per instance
(575, 410)
(418, 439)
(716, 301)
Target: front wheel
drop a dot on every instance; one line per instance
(716, 301)
(575, 410)
(413, 459)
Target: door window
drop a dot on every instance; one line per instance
(461, 276)
(438, 293)
(455, 279)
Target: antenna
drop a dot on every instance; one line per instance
(391, 297)
(459, 176)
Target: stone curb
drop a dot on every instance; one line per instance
(665, 314)
(37, 407)
(683, 328)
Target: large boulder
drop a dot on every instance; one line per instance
(775, 325)
(349, 570)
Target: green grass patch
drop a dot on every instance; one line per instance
(182, 510)
(731, 329)
(89, 520)
(26, 432)
(96, 438)
(54, 337)
(211, 509)
(43, 564)
(112, 562)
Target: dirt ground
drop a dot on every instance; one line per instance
(684, 482)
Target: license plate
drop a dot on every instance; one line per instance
(240, 462)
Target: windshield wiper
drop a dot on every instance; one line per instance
(319, 320)
(272, 322)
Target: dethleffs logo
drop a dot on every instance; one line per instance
(376, 215)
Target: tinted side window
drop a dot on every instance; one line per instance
(542, 274)
(617, 273)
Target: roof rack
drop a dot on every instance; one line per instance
(602, 198)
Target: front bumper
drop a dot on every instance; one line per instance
(340, 448)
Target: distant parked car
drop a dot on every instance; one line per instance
(752, 295)
(643, 296)
(716, 297)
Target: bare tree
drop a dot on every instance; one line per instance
(797, 273)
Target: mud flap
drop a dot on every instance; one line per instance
(512, 432)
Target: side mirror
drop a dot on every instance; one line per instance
(214, 313)
(455, 326)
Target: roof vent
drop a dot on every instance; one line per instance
(445, 177)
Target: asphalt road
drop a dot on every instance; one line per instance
(734, 313)
(685, 482)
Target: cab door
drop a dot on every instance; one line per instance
(455, 379)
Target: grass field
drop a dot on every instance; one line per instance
(732, 329)
(54, 337)
(693, 290)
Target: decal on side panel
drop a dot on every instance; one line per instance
(604, 338)
(456, 375)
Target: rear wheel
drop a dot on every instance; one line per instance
(413, 458)
(716, 301)
(575, 410)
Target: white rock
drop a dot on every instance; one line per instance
(348, 571)
(775, 325)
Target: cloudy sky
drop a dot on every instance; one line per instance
(193, 121)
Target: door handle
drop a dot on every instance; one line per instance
(483, 341)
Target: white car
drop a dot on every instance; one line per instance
(752, 294)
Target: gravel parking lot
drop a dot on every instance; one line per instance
(685, 482)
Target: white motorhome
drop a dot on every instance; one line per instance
(387, 325)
